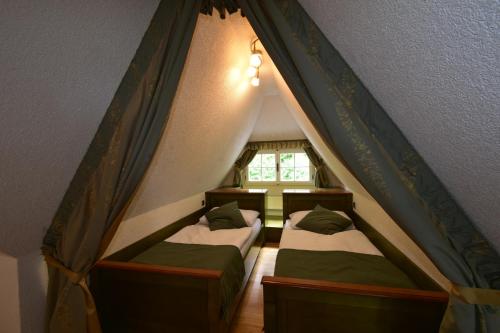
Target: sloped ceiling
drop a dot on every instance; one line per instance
(433, 66)
(214, 112)
(61, 64)
(365, 206)
(275, 122)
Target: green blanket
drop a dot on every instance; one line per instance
(226, 258)
(340, 266)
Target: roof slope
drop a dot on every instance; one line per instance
(434, 68)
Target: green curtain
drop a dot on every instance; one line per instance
(355, 126)
(277, 145)
(114, 165)
(207, 7)
(241, 164)
(321, 180)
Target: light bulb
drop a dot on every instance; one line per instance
(251, 71)
(256, 59)
(255, 81)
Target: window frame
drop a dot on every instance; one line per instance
(277, 152)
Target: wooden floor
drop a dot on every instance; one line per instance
(249, 317)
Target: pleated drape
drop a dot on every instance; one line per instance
(321, 180)
(360, 132)
(241, 163)
(114, 165)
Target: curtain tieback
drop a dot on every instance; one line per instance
(476, 295)
(93, 325)
(72, 276)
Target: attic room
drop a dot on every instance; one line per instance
(125, 123)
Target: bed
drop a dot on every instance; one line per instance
(353, 281)
(181, 278)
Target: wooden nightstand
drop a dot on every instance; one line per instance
(274, 228)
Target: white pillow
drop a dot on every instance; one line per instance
(296, 217)
(250, 216)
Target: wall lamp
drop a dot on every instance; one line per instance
(255, 63)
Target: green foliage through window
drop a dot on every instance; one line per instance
(292, 167)
(262, 168)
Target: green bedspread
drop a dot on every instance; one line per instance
(226, 258)
(340, 266)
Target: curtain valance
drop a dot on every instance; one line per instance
(275, 145)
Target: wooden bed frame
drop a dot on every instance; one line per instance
(298, 305)
(133, 297)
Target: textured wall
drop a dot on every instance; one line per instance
(33, 280)
(213, 115)
(142, 225)
(61, 64)
(366, 206)
(10, 318)
(434, 67)
(275, 122)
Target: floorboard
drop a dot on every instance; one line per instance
(249, 317)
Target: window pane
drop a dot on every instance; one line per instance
(301, 174)
(301, 160)
(256, 162)
(268, 160)
(254, 174)
(269, 174)
(286, 174)
(286, 159)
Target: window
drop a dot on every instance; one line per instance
(262, 168)
(280, 166)
(294, 167)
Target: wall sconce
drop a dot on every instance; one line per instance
(255, 63)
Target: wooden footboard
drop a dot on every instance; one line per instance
(298, 305)
(133, 297)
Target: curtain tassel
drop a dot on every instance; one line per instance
(93, 325)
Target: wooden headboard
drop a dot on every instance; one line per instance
(254, 199)
(334, 199)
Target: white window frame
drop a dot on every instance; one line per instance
(277, 152)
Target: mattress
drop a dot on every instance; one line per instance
(349, 241)
(253, 236)
(200, 233)
(225, 258)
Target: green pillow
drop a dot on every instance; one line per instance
(324, 221)
(227, 216)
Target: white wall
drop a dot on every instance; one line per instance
(275, 122)
(33, 280)
(140, 226)
(10, 317)
(434, 67)
(212, 117)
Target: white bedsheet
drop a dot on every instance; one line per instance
(350, 240)
(254, 234)
(200, 234)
